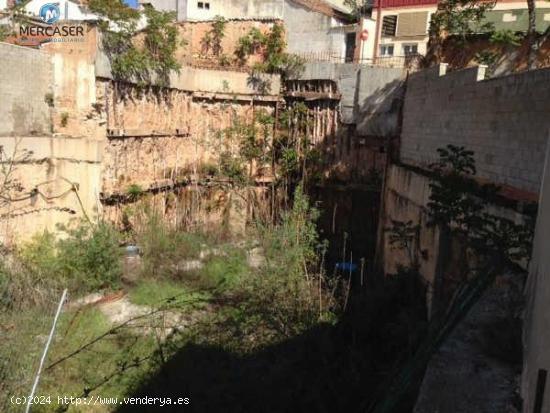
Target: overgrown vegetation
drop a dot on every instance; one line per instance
(144, 56)
(250, 149)
(212, 40)
(191, 280)
(459, 18)
(85, 259)
(4, 32)
(490, 244)
(359, 8)
(272, 46)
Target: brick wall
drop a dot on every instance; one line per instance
(505, 121)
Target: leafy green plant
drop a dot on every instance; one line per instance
(86, 258)
(458, 206)
(505, 38)
(152, 292)
(129, 60)
(232, 167)
(272, 45)
(90, 255)
(212, 40)
(250, 44)
(458, 18)
(134, 191)
(163, 247)
(224, 60)
(228, 270)
(487, 57)
(288, 296)
(5, 31)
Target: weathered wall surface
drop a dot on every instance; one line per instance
(368, 94)
(197, 53)
(235, 9)
(405, 198)
(159, 135)
(345, 75)
(74, 111)
(27, 79)
(503, 120)
(537, 324)
(56, 148)
(54, 172)
(379, 100)
(309, 32)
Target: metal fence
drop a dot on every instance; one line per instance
(407, 61)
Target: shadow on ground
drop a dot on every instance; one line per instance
(294, 376)
(331, 368)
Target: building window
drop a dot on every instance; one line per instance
(203, 5)
(389, 24)
(409, 49)
(386, 50)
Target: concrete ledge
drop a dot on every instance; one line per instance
(45, 147)
(192, 79)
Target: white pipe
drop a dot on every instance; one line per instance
(43, 359)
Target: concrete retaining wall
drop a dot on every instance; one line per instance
(209, 81)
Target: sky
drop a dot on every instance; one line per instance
(131, 3)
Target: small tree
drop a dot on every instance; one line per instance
(459, 18)
(129, 60)
(212, 40)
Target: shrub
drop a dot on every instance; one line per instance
(134, 191)
(90, 255)
(228, 270)
(292, 293)
(87, 258)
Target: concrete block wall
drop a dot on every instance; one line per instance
(505, 121)
(27, 80)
